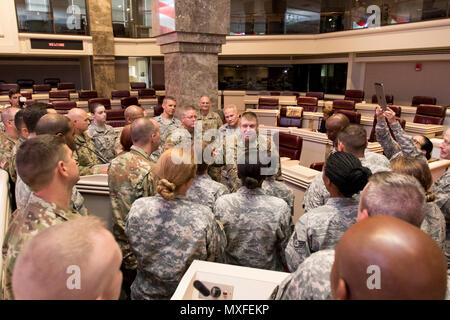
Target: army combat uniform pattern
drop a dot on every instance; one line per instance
(37, 216)
(211, 121)
(104, 139)
(441, 188)
(317, 194)
(166, 236)
(130, 177)
(258, 227)
(278, 189)
(434, 224)
(311, 280)
(320, 228)
(85, 156)
(204, 190)
(7, 161)
(166, 126)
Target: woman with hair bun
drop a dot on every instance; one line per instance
(167, 232)
(434, 221)
(322, 227)
(257, 225)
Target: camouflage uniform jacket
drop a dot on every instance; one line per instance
(227, 130)
(166, 236)
(104, 139)
(7, 162)
(404, 145)
(205, 191)
(257, 226)
(23, 194)
(179, 136)
(130, 177)
(434, 224)
(278, 189)
(320, 228)
(311, 280)
(85, 156)
(166, 126)
(211, 121)
(317, 194)
(441, 188)
(37, 216)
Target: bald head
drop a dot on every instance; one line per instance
(8, 114)
(132, 113)
(57, 124)
(386, 258)
(47, 266)
(145, 133)
(79, 118)
(336, 123)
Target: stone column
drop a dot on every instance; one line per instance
(191, 36)
(100, 22)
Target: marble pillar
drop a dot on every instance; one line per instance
(103, 61)
(191, 37)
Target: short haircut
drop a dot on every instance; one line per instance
(13, 91)
(346, 172)
(37, 159)
(40, 271)
(53, 124)
(142, 130)
(94, 106)
(7, 114)
(249, 115)
(354, 138)
(18, 119)
(168, 98)
(33, 113)
(188, 108)
(230, 106)
(393, 194)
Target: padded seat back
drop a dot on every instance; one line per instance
(119, 94)
(5, 87)
(157, 110)
(417, 100)
(284, 121)
(26, 94)
(66, 86)
(85, 95)
(290, 145)
(268, 103)
(308, 103)
(128, 101)
(41, 88)
(105, 102)
(318, 95)
(52, 81)
(389, 99)
(115, 114)
(430, 114)
(354, 95)
(353, 116)
(275, 93)
(64, 105)
(63, 95)
(159, 87)
(116, 123)
(138, 85)
(344, 104)
(25, 83)
(146, 93)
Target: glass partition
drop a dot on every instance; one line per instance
(52, 16)
(132, 18)
(328, 78)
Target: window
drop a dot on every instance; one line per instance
(132, 18)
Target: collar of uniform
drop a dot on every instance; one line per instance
(167, 121)
(336, 202)
(81, 137)
(8, 137)
(36, 201)
(139, 151)
(97, 128)
(256, 191)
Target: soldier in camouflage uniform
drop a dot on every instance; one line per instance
(130, 177)
(183, 135)
(8, 141)
(167, 232)
(257, 225)
(49, 205)
(272, 187)
(230, 128)
(210, 121)
(322, 227)
(352, 139)
(167, 122)
(204, 190)
(131, 113)
(103, 135)
(311, 280)
(85, 154)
